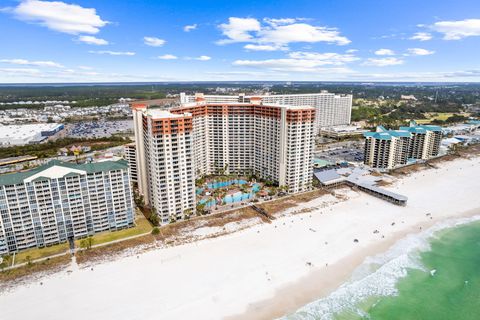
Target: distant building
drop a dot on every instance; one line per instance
(330, 109)
(60, 201)
(388, 149)
(338, 132)
(408, 97)
(462, 128)
(18, 135)
(130, 156)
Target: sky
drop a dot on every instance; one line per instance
(319, 40)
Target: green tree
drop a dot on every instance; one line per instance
(89, 242)
(187, 213)
(153, 218)
(86, 243)
(200, 209)
(5, 261)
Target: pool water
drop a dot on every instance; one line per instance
(231, 198)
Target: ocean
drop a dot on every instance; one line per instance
(432, 275)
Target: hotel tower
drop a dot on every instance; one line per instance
(176, 146)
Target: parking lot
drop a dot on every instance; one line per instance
(98, 129)
(342, 152)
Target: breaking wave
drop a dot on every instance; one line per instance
(377, 276)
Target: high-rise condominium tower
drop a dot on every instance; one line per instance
(274, 142)
(60, 201)
(330, 109)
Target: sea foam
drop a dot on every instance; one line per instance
(377, 276)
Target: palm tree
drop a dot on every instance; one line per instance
(187, 213)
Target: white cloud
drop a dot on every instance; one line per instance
(202, 58)
(277, 33)
(85, 68)
(153, 41)
(60, 16)
(19, 71)
(190, 27)
(351, 50)
(238, 30)
(233, 75)
(303, 62)
(383, 62)
(456, 30)
(167, 57)
(281, 21)
(301, 32)
(263, 47)
(421, 36)
(93, 40)
(330, 58)
(114, 53)
(419, 52)
(68, 75)
(465, 75)
(384, 52)
(32, 63)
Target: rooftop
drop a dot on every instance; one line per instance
(57, 169)
(328, 176)
(163, 114)
(22, 131)
(204, 103)
(383, 192)
(387, 135)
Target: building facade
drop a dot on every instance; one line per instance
(60, 201)
(274, 142)
(330, 109)
(425, 141)
(388, 149)
(131, 157)
(168, 156)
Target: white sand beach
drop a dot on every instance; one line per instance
(261, 272)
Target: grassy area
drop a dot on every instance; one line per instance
(142, 226)
(13, 276)
(435, 116)
(273, 207)
(111, 250)
(38, 253)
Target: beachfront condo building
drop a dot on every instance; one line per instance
(388, 149)
(165, 161)
(60, 201)
(174, 147)
(330, 109)
(424, 142)
(131, 157)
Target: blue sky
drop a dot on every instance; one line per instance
(146, 40)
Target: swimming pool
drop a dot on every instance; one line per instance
(231, 198)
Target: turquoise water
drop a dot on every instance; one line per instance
(431, 276)
(228, 199)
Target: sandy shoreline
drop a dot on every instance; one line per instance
(261, 272)
(321, 282)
